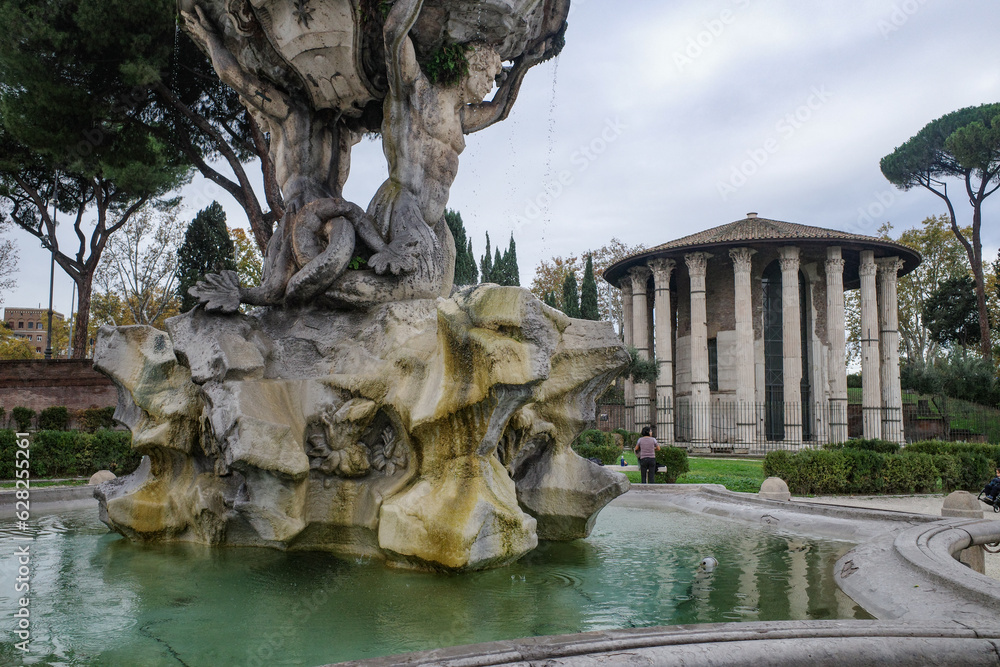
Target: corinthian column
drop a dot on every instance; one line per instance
(835, 332)
(791, 331)
(640, 339)
(626, 287)
(888, 317)
(746, 422)
(697, 263)
(664, 327)
(871, 395)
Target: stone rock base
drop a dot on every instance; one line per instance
(433, 434)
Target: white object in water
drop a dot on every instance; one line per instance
(707, 564)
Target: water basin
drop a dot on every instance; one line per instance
(96, 598)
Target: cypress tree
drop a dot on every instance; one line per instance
(466, 272)
(207, 248)
(513, 275)
(486, 264)
(499, 273)
(588, 293)
(550, 300)
(571, 301)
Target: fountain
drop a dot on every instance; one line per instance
(375, 412)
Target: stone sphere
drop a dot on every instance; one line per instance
(100, 477)
(774, 488)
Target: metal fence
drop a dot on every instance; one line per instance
(728, 425)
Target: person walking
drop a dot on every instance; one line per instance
(646, 449)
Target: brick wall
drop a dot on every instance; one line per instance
(40, 384)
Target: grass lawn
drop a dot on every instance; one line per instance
(736, 475)
(43, 483)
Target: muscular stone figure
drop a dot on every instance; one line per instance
(311, 154)
(423, 132)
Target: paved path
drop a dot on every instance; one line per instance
(919, 504)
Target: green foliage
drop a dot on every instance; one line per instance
(951, 314)
(589, 309)
(92, 419)
(880, 446)
(596, 444)
(570, 300)
(466, 272)
(357, 263)
(447, 65)
(54, 419)
(22, 417)
(207, 248)
(672, 463)
(854, 381)
(500, 269)
(641, 370)
(866, 468)
(923, 467)
(71, 453)
(958, 376)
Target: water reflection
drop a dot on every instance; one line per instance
(98, 599)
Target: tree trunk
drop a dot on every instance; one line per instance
(81, 338)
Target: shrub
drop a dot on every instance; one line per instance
(865, 470)
(595, 438)
(112, 450)
(949, 470)
(71, 453)
(910, 473)
(92, 419)
(880, 446)
(3, 413)
(854, 381)
(607, 454)
(975, 471)
(673, 461)
(629, 437)
(53, 419)
(22, 417)
(779, 464)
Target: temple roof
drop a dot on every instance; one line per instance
(754, 231)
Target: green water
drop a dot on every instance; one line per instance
(97, 599)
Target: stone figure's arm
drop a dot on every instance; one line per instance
(401, 59)
(265, 97)
(477, 117)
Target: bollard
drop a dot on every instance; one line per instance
(964, 505)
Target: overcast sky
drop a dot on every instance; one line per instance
(662, 119)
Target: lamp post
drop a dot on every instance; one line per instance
(52, 265)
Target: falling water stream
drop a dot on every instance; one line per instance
(97, 598)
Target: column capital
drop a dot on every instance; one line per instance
(742, 259)
(661, 268)
(697, 263)
(835, 265)
(867, 268)
(639, 276)
(889, 267)
(789, 258)
(625, 284)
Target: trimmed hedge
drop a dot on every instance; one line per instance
(873, 468)
(22, 418)
(53, 419)
(595, 444)
(880, 446)
(672, 463)
(93, 419)
(71, 453)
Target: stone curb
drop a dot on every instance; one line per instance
(47, 496)
(833, 643)
(914, 574)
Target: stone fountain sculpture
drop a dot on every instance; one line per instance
(375, 412)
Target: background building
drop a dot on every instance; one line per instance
(746, 322)
(30, 324)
